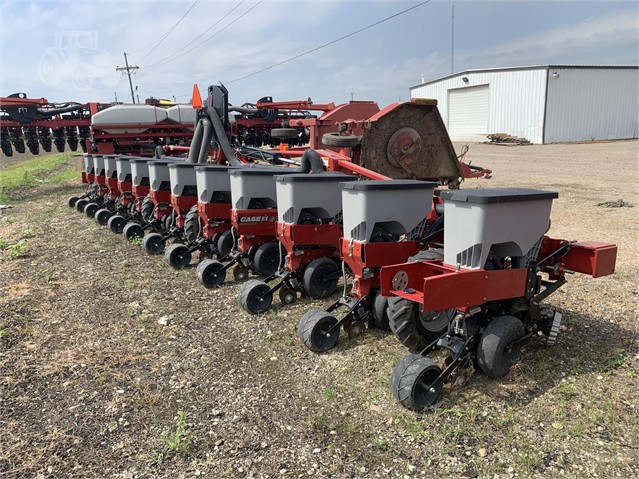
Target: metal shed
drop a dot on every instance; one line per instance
(544, 104)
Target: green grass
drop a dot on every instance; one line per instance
(177, 443)
(51, 169)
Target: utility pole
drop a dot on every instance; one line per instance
(128, 71)
(452, 37)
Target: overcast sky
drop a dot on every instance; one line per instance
(38, 56)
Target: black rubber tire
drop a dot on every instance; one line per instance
(90, 209)
(287, 296)
(379, 307)
(102, 216)
(208, 273)
(153, 243)
(411, 380)
(80, 204)
(192, 227)
(312, 330)
(147, 208)
(116, 224)
(340, 141)
(411, 327)
(284, 133)
(225, 244)
(71, 201)
(253, 296)
(177, 256)
(315, 281)
(132, 230)
(493, 357)
(267, 259)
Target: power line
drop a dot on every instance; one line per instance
(164, 37)
(175, 54)
(330, 43)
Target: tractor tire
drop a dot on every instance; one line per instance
(254, 296)
(494, 356)
(192, 227)
(267, 259)
(284, 133)
(414, 329)
(340, 141)
(411, 382)
(316, 281)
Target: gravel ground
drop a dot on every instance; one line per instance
(114, 365)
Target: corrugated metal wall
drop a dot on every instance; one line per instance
(587, 104)
(516, 98)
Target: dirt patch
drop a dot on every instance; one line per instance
(114, 365)
(616, 204)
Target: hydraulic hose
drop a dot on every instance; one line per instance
(311, 162)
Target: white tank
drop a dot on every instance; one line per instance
(128, 118)
(182, 114)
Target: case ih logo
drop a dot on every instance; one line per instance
(256, 219)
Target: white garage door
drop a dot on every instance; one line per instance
(468, 113)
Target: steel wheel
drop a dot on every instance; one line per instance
(412, 382)
(210, 274)
(132, 230)
(102, 216)
(314, 331)
(254, 296)
(267, 259)
(178, 256)
(153, 243)
(495, 356)
(240, 273)
(287, 296)
(90, 209)
(319, 278)
(116, 224)
(72, 201)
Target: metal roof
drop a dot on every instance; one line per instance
(531, 67)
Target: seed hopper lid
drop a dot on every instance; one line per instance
(498, 195)
(316, 177)
(385, 185)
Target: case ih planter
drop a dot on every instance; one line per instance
(309, 228)
(156, 209)
(497, 268)
(100, 188)
(88, 179)
(126, 205)
(143, 205)
(183, 197)
(207, 226)
(254, 217)
(383, 223)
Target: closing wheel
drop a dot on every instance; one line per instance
(192, 228)
(284, 133)
(177, 256)
(287, 296)
(132, 230)
(116, 224)
(72, 201)
(80, 204)
(379, 310)
(340, 141)
(415, 329)
(90, 209)
(267, 259)
(254, 296)
(495, 355)
(210, 274)
(153, 243)
(240, 273)
(102, 216)
(313, 330)
(412, 382)
(320, 278)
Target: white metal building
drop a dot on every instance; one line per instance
(544, 104)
